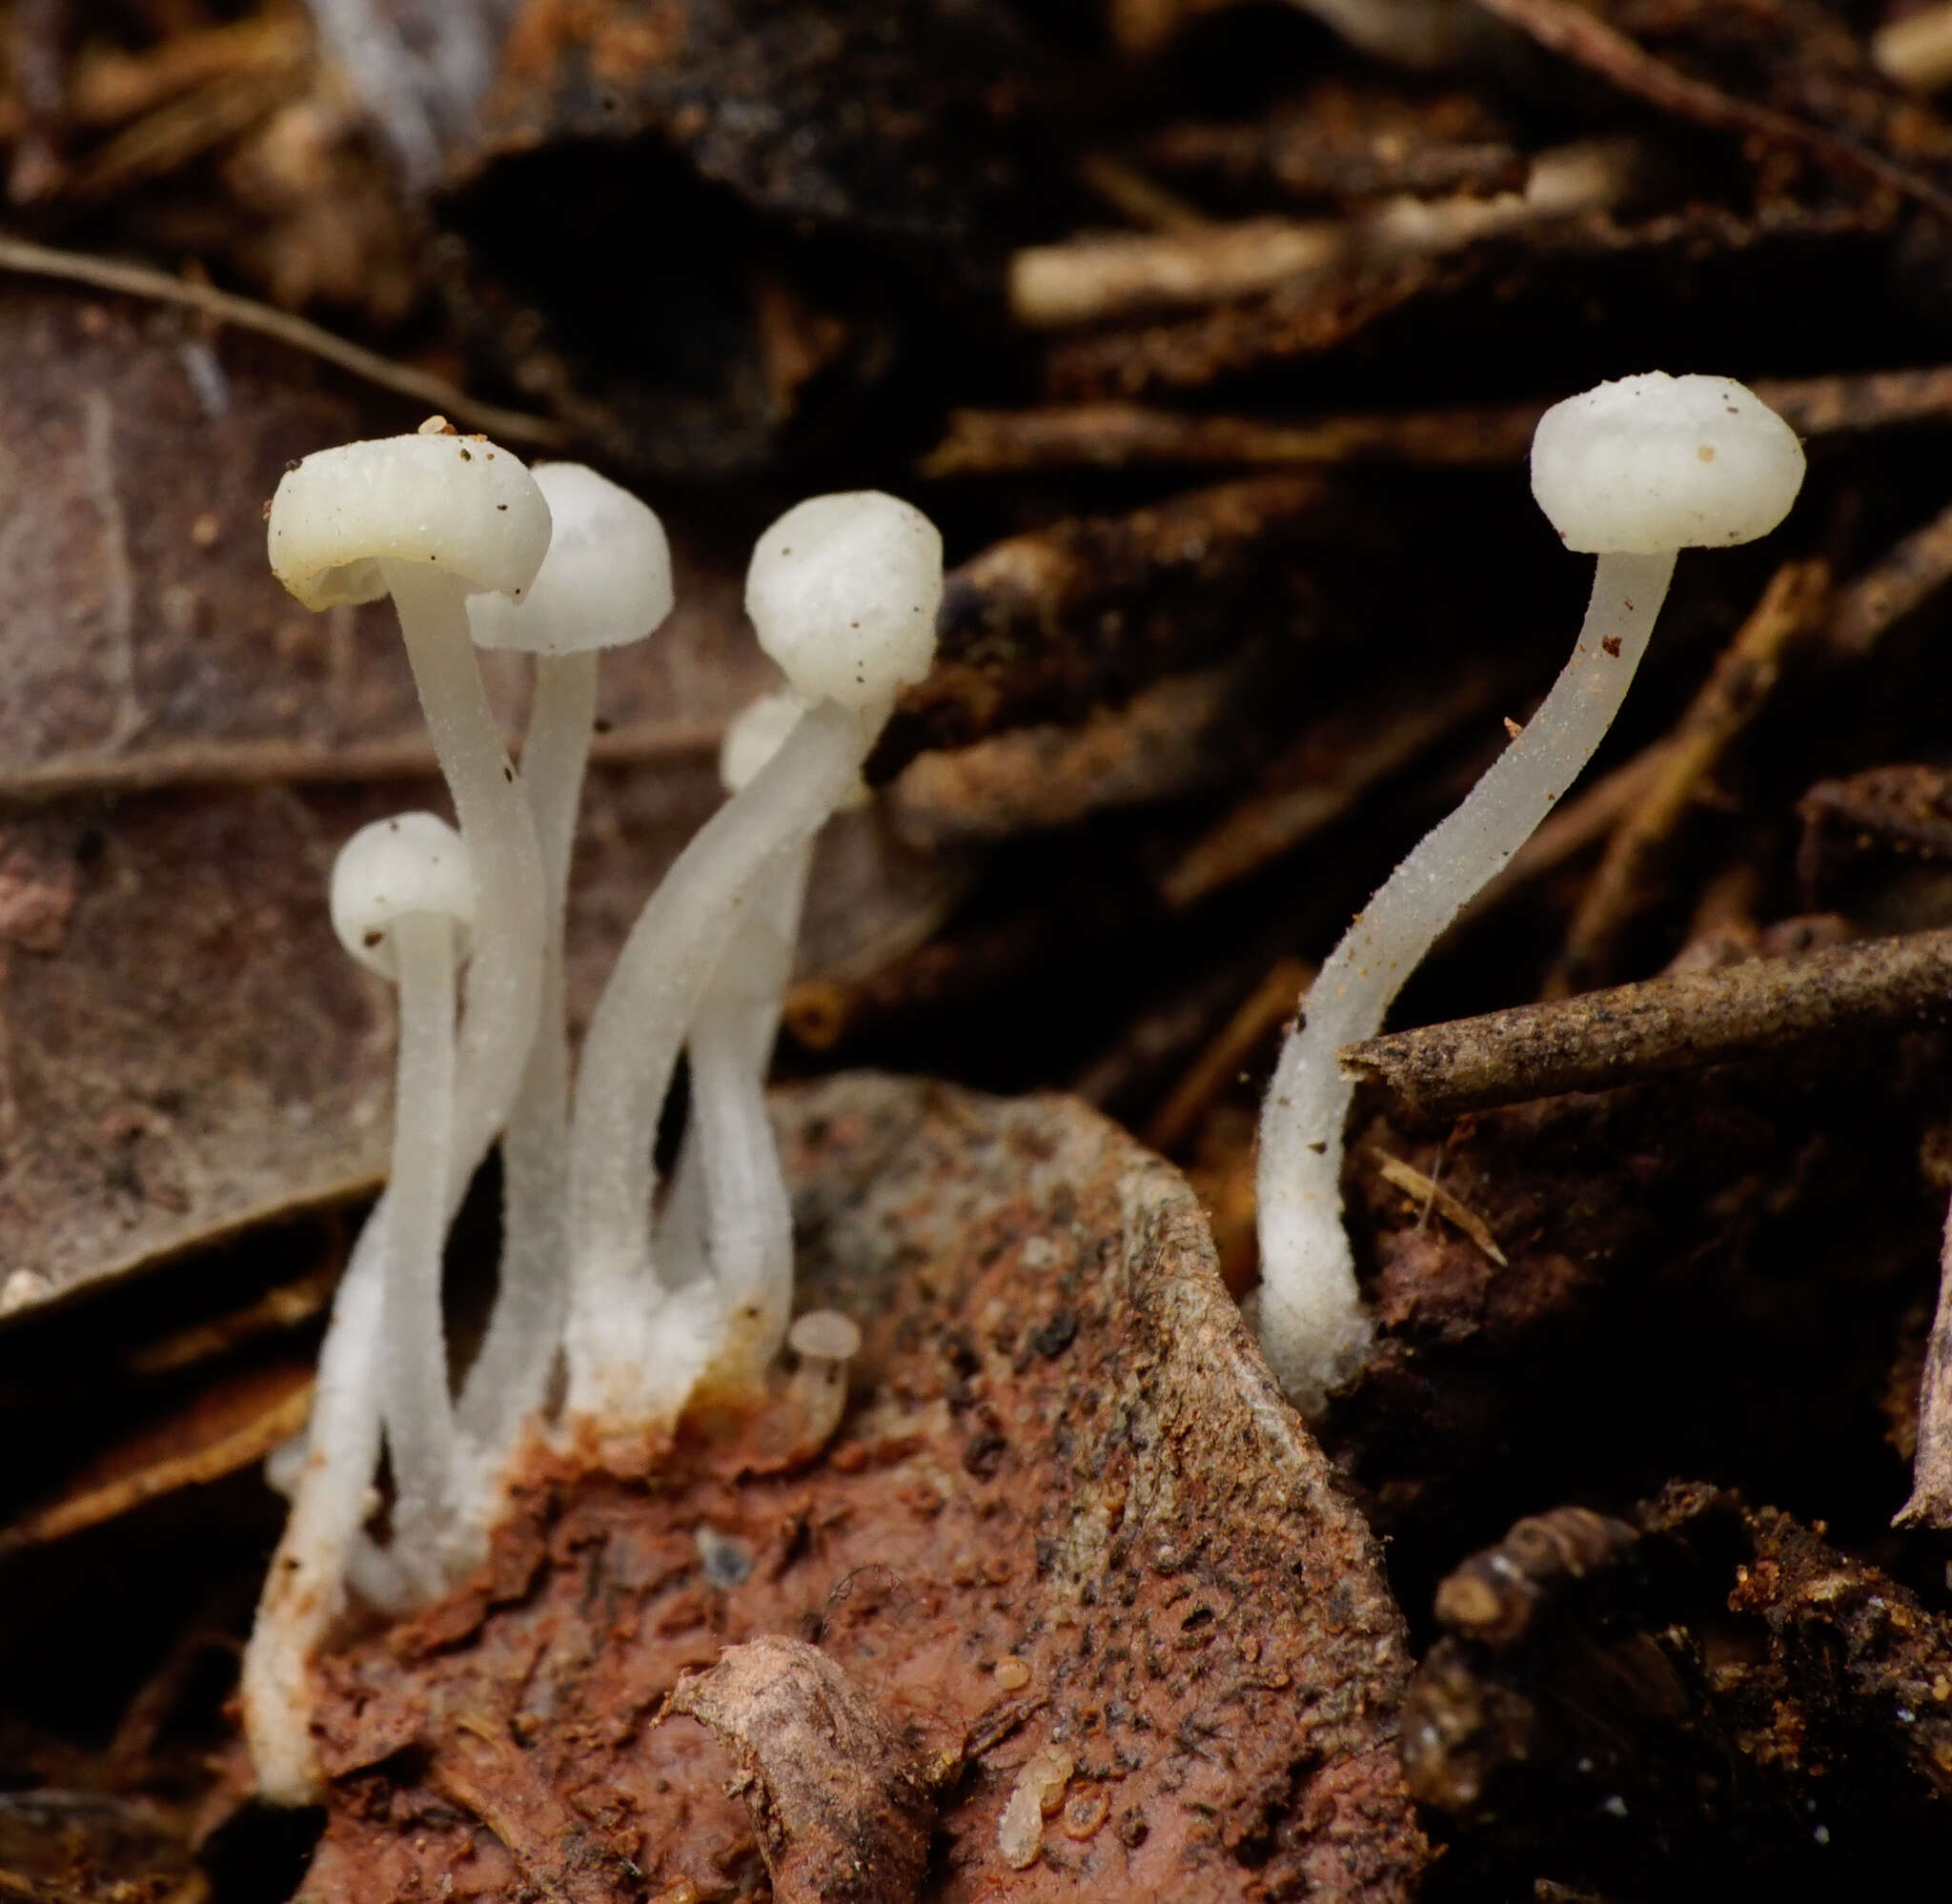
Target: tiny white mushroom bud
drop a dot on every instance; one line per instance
(825, 1335)
(844, 591)
(825, 1342)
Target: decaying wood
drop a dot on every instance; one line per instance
(1679, 1022)
(1067, 1521)
(1046, 625)
(1596, 1662)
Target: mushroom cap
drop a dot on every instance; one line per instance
(1657, 462)
(605, 581)
(844, 591)
(459, 502)
(412, 862)
(825, 1335)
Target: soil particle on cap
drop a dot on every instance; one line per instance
(1155, 1506)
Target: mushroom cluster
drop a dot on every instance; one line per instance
(615, 1304)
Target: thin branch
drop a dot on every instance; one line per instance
(1118, 435)
(291, 763)
(1601, 48)
(1684, 1022)
(131, 280)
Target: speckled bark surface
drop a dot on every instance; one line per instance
(1066, 1512)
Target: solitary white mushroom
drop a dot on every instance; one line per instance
(843, 590)
(1632, 472)
(404, 904)
(431, 519)
(605, 581)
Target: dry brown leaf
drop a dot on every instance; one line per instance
(183, 1047)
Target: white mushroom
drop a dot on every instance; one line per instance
(403, 903)
(605, 581)
(842, 592)
(375, 884)
(1630, 472)
(825, 1341)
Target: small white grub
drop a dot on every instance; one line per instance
(1037, 1792)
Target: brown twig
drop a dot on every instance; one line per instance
(1730, 698)
(1679, 1022)
(1096, 277)
(1111, 436)
(983, 443)
(131, 280)
(299, 763)
(1136, 197)
(1428, 1194)
(1591, 42)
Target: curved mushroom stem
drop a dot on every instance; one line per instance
(305, 1588)
(1311, 1322)
(305, 1591)
(413, 1343)
(748, 1217)
(628, 1366)
(506, 1384)
(504, 987)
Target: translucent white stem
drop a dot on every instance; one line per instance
(413, 1352)
(305, 1588)
(304, 1591)
(509, 1376)
(504, 985)
(748, 1216)
(1311, 1322)
(617, 1352)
